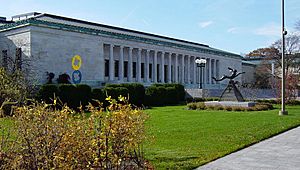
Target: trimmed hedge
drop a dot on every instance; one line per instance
(47, 93)
(115, 92)
(202, 106)
(136, 92)
(83, 93)
(179, 89)
(68, 95)
(80, 95)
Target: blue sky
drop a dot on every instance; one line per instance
(237, 26)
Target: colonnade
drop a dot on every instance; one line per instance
(132, 64)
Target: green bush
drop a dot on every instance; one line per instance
(83, 93)
(293, 102)
(68, 95)
(179, 89)
(136, 92)
(171, 96)
(155, 96)
(98, 95)
(201, 106)
(114, 93)
(48, 92)
(192, 106)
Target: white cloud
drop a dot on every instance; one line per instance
(270, 29)
(233, 30)
(205, 24)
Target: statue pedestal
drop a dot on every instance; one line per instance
(230, 103)
(231, 93)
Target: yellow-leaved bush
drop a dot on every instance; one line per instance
(50, 138)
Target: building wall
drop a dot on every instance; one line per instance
(18, 38)
(249, 76)
(56, 48)
(53, 49)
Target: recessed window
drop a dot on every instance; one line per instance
(106, 68)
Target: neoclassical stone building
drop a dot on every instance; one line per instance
(110, 54)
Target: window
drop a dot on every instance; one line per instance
(106, 69)
(150, 71)
(142, 70)
(125, 68)
(157, 68)
(134, 69)
(116, 68)
(166, 73)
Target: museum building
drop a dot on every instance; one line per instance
(100, 54)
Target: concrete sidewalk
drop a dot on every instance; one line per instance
(280, 152)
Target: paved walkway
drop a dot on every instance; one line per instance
(280, 152)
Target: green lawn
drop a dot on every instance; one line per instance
(186, 139)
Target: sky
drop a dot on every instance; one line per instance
(237, 26)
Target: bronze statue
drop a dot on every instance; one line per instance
(233, 75)
(231, 92)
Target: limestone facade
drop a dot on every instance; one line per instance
(113, 55)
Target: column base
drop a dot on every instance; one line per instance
(281, 113)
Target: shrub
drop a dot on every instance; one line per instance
(136, 93)
(155, 96)
(83, 94)
(179, 89)
(115, 92)
(13, 86)
(192, 106)
(219, 107)
(228, 108)
(201, 106)
(47, 93)
(171, 96)
(293, 102)
(55, 139)
(97, 95)
(257, 107)
(6, 108)
(238, 108)
(68, 95)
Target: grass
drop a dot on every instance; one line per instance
(186, 139)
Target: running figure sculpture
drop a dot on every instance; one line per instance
(233, 75)
(231, 92)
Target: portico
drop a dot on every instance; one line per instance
(135, 64)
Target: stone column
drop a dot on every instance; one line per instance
(111, 63)
(147, 58)
(162, 68)
(129, 65)
(176, 70)
(211, 72)
(217, 70)
(188, 70)
(204, 74)
(170, 68)
(182, 69)
(139, 70)
(194, 71)
(121, 64)
(155, 67)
